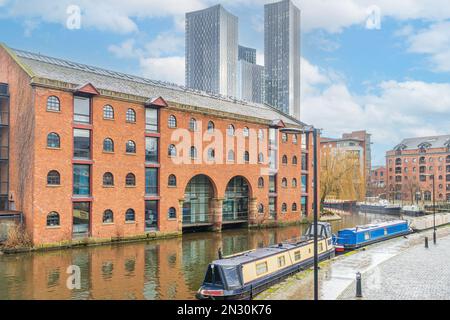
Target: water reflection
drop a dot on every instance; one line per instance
(165, 269)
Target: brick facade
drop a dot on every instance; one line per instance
(32, 194)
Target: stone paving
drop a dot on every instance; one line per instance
(415, 274)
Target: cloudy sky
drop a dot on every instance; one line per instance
(393, 80)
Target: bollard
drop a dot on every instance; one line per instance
(426, 242)
(358, 285)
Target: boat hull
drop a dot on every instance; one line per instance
(250, 290)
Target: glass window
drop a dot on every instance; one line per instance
(131, 116)
(230, 130)
(108, 145)
(53, 140)
(81, 180)
(172, 122)
(108, 112)
(53, 104)
(172, 152)
(211, 127)
(172, 213)
(151, 215)
(130, 215)
(53, 178)
(151, 150)
(172, 181)
(151, 181)
(108, 179)
(193, 124)
(81, 144)
(130, 147)
(82, 110)
(81, 219)
(53, 219)
(130, 180)
(151, 120)
(108, 216)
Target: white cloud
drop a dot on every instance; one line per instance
(433, 41)
(397, 110)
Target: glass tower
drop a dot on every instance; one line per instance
(282, 56)
(212, 50)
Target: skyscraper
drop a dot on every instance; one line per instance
(212, 50)
(247, 54)
(282, 56)
(250, 82)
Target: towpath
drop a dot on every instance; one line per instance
(396, 269)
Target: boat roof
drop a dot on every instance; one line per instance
(257, 254)
(374, 226)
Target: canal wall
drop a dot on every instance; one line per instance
(427, 222)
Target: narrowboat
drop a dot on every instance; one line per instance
(244, 275)
(354, 238)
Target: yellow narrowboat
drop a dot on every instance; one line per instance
(242, 276)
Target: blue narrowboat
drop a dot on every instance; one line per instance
(360, 236)
(244, 275)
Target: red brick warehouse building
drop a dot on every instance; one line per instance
(413, 163)
(103, 155)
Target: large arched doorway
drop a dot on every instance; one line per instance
(236, 202)
(197, 206)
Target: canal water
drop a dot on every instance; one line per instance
(163, 269)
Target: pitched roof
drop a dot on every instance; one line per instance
(77, 74)
(430, 142)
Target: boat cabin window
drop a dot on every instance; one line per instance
(261, 268)
(297, 255)
(213, 275)
(232, 278)
(281, 261)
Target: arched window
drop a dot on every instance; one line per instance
(131, 116)
(260, 208)
(260, 157)
(230, 130)
(284, 208)
(284, 183)
(130, 215)
(295, 139)
(260, 134)
(211, 127)
(261, 182)
(194, 153)
(172, 151)
(53, 178)
(53, 219)
(284, 137)
(53, 140)
(108, 112)
(294, 160)
(285, 160)
(231, 155)
(108, 145)
(53, 104)
(246, 156)
(246, 132)
(172, 213)
(172, 181)
(211, 154)
(193, 124)
(131, 147)
(108, 216)
(172, 121)
(294, 183)
(130, 180)
(108, 179)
